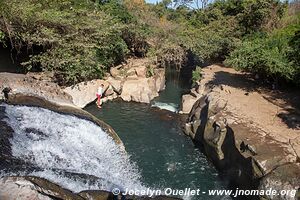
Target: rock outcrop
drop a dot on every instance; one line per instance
(32, 86)
(138, 81)
(188, 100)
(117, 85)
(246, 153)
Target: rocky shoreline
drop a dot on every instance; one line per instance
(35, 188)
(244, 152)
(35, 90)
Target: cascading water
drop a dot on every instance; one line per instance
(172, 107)
(72, 152)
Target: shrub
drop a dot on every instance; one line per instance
(267, 56)
(2, 37)
(150, 71)
(197, 74)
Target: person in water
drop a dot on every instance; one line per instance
(99, 95)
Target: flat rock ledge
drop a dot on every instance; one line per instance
(246, 155)
(34, 188)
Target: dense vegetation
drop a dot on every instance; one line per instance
(81, 39)
(75, 39)
(272, 54)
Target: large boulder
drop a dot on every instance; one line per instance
(85, 92)
(109, 91)
(114, 71)
(96, 195)
(140, 90)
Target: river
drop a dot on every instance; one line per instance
(154, 139)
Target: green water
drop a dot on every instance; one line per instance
(154, 139)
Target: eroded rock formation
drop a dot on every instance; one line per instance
(139, 80)
(246, 153)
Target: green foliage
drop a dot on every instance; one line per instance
(80, 42)
(2, 37)
(82, 39)
(267, 56)
(214, 41)
(259, 14)
(150, 71)
(295, 45)
(252, 15)
(274, 55)
(197, 74)
(116, 9)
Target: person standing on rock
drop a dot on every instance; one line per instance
(99, 95)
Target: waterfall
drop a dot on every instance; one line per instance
(72, 152)
(165, 106)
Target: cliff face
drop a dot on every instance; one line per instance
(246, 152)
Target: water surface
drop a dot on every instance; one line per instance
(165, 157)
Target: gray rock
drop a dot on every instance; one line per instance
(33, 188)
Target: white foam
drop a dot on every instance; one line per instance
(166, 106)
(70, 144)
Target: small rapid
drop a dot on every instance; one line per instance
(72, 152)
(172, 107)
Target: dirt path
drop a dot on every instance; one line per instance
(271, 113)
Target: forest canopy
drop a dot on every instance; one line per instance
(80, 40)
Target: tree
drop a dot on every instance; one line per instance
(194, 4)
